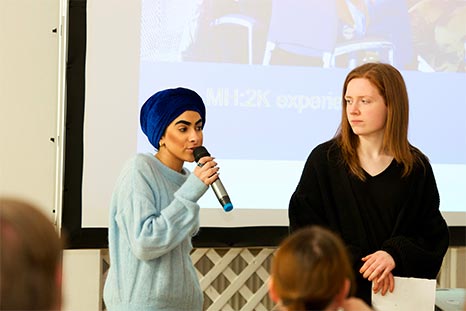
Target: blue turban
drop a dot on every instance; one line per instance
(165, 106)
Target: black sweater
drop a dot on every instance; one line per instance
(386, 212)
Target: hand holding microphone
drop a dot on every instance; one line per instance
(217, 185)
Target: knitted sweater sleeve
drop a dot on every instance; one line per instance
(420, 238)
(306, 206)
(153, 215)
(310, 204)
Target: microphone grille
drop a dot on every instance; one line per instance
(200, 152)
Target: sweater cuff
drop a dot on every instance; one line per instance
(389, 247)
(192, 189)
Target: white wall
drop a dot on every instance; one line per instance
(82, 280)
(29, 100)
(32, 53)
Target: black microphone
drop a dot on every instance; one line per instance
(217, 185)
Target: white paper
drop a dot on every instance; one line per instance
(409, 294)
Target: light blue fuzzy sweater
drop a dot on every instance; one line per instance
(153, 216)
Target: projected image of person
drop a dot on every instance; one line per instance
(154, 211)
(374, 188)
(204, 30)
(367, 33)
(226, 31)
(311, 270)
(440, 35)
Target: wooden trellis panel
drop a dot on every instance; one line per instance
(235, 278)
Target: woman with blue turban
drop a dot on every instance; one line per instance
(154, 211)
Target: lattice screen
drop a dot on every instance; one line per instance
(232, 279)
(235, 278)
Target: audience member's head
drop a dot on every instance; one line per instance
(310, 271)
(30, 258)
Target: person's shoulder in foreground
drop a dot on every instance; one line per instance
(30, 258)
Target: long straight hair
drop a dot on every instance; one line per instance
(391, 86)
